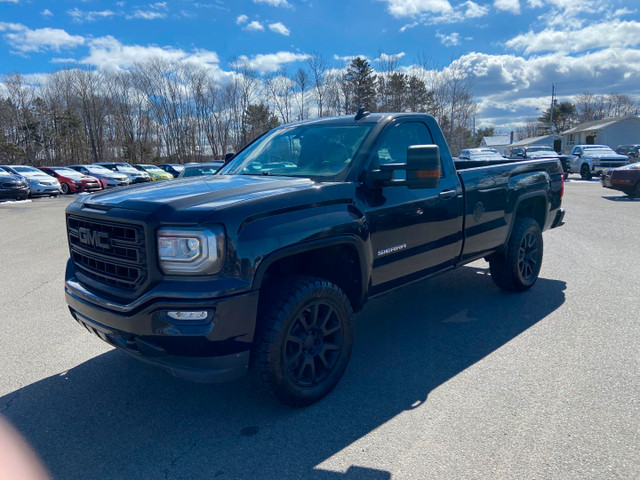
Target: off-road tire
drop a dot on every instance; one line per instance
(305, 335)
(517, 269)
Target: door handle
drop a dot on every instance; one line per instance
(447, 194)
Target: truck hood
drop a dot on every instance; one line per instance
(213, 191)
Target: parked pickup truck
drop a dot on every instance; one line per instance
(263, 264)
(590, 160)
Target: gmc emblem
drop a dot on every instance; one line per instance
(94, 238)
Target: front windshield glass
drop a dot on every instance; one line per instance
(66, 171)
(153, 168)
(98, 169)
(27, 169)
(2, 172)
(301, 151)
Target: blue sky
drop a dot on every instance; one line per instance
(513, 49)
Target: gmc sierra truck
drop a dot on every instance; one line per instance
(263, 264)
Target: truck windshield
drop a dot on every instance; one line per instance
(300, 151)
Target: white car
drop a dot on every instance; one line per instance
(482, 153)
(134, 175)
(107, 178)
(40, 183)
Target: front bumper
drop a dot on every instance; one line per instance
(17, 193)
(44, 189)
(216, 349)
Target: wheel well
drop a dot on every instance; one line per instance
(535, 208)
(340, 264)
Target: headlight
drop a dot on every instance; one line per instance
(189, 251)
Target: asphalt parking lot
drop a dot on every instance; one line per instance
(450, 377)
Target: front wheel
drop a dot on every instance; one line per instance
(517, 269)
(305, 339)
(585, 172)
(65, 188)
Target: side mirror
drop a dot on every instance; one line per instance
(422, 170)
(228, 156)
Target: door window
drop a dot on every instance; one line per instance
(396, 140)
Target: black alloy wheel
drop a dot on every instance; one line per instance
(313, 343)
(305, 334)
(518, 267)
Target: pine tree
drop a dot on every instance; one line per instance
(362, 85)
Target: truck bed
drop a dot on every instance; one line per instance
(493, 191)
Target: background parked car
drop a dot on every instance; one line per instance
(631, 151)
(107, 178)
(40, 184)
(589, 160)
(483, 153)
(626, 179)
(173, 168)
(155, 172)
(13, 187)
(134, 175)
(72, 181)
(540, 151)
(200, 169)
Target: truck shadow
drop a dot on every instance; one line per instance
(112, 417)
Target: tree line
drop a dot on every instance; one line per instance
(176, 111)
(586, 107)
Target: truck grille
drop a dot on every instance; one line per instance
(108, 252)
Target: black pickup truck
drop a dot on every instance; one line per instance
(263, 264)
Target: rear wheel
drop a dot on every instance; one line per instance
(517, 269)
(305, 339)
(585, 172)
(636, 191)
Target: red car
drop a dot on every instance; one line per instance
(626, 179)
(72, 181)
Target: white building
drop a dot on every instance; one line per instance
(610, 131)
(499, 142)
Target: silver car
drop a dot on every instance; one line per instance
(135, 176)
(40, 184)
(107, 178)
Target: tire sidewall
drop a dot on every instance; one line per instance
(528, 226)
(279, 377)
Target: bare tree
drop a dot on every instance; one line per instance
(318, 68)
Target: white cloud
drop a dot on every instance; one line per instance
(386, 57)
(450, 40)
(63, 60)
(512, 6)
(411, 8)
(473, 10)
(159, 5)
(10, 1)
(274, 3)
(600, 35)
(271, 62)
(241, 19)
(254, 26)
(349, 58)
(82, 16)
(108, 53)
(24, 39)
(279, 28)
(145, 15)
(46, 13)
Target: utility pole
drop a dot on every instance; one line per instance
(553, 102)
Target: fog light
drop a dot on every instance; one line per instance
(188, 316)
